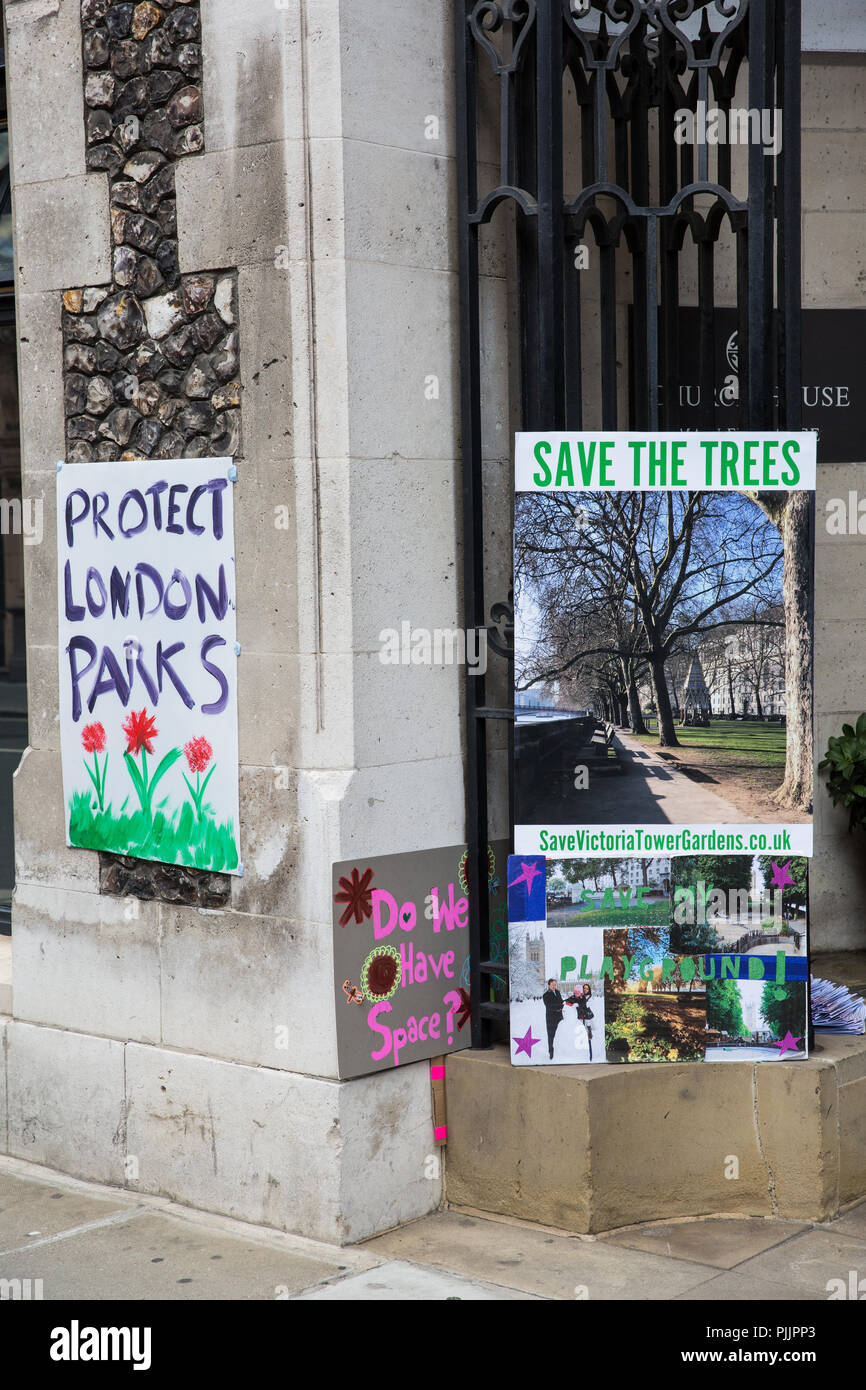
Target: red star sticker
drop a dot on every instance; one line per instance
(465, 1008)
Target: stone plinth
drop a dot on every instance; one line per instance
(590, 1148)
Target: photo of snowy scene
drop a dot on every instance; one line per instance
(557, 994)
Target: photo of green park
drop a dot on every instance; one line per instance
(749, 1020)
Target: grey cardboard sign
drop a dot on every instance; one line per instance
(401, 956)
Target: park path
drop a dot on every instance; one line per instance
(650, 790)
(658, 792)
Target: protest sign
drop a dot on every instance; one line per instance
(148, 660)
(401, 954)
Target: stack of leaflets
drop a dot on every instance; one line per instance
(835, 1009)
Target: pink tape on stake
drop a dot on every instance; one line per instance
(440, 1134)
(437, 1073)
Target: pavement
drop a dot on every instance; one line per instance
(648, 791)
(665, 795)
(87, 1242)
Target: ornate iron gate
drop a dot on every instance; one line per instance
(591, 96)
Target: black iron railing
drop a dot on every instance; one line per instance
(585, 99)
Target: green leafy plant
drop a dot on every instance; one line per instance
(846, 765)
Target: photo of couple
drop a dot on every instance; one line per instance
(556, 994)
(580, 1000)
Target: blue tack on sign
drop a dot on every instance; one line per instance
(527, 887)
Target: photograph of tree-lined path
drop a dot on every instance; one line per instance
(744, 760)
(664, 637)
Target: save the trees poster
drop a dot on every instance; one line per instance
(663, 746)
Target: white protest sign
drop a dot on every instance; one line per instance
(148, 660)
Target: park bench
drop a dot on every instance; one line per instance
(601, 750)
(593, 749)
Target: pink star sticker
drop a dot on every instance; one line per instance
(527, 877)
(780, 874)
(787, 1044)
(525, 1044)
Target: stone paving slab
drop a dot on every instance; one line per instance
(537, 1260)
(853, 1223)
(30, 1211)
(734, 1285)
(805, 1265)
(720, 1243)
(91, 1243)
(155, 1256)
(398, 1281)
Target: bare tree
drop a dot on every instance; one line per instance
(641, 575)
(791, 514)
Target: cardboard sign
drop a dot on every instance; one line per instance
(148, 660)
(645, 961)
(401, 955)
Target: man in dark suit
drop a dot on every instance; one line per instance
(554, 1004)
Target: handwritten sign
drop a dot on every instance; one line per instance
(147, 658)
(401, 957)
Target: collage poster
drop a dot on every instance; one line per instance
(658, 894)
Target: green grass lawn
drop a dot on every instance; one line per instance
(656, 914)
(760, 743)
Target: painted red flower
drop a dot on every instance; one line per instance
(93, 738)
(140, 730)
(358, 895)
(198, 754)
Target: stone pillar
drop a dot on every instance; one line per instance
(169, 1039)
(834, 228)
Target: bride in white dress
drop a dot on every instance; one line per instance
(581, 1001)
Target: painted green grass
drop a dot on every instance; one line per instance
(648, 914)
(759, 743)
(177, 839)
